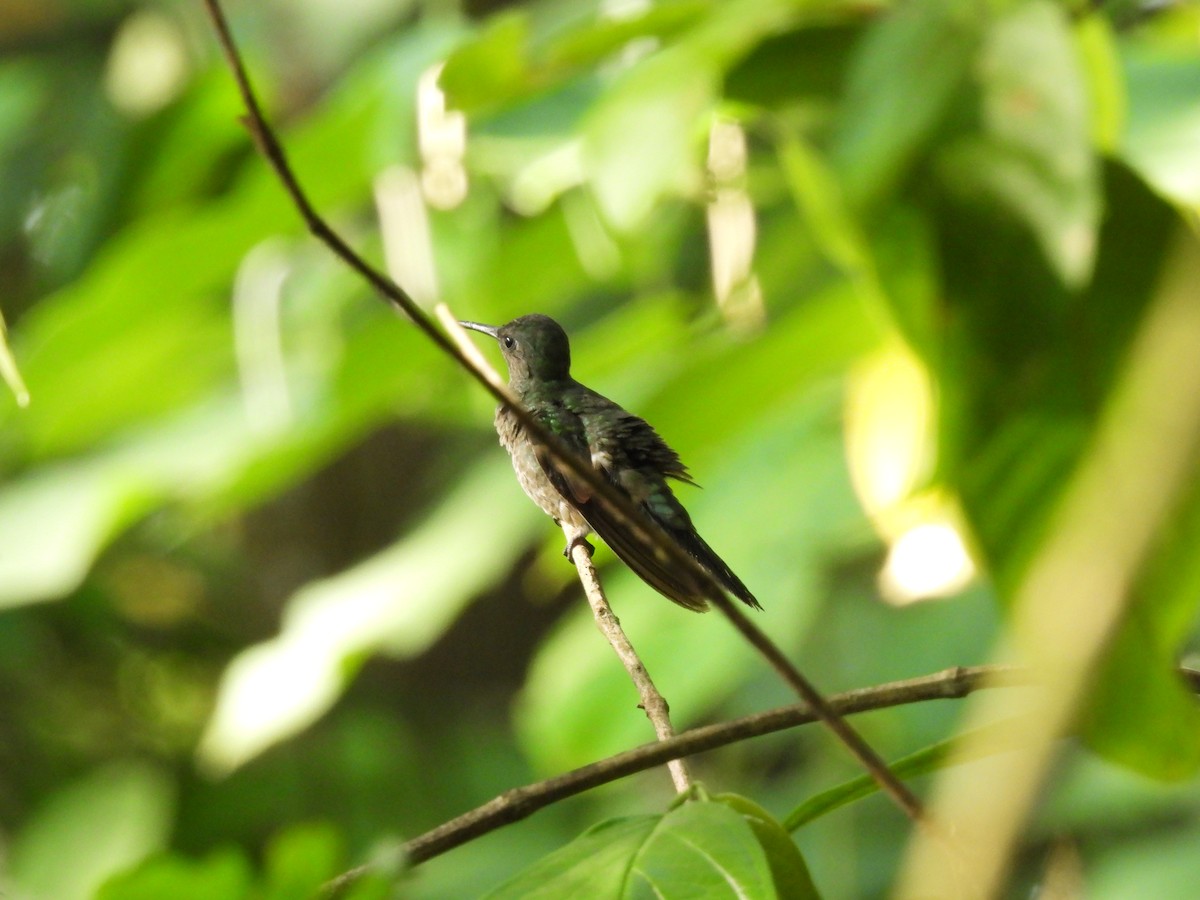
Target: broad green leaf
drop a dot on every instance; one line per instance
(1105, 80)
(818, 198)
(54, 523)
(697, 849)
(1142, 715)
(902, 80)
(788, 869)
(641, 141)
(90, 829)
(1162, 135)
(700, 849)
(1033, 155)
(493, 67)
(300, 860)
(593, 864)
(224, 873)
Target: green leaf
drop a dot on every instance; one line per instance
(1142, 715)
(594, 864)
(661, 101)
(223, 873)
(1105, 80)
(1162, 135)
(90, 829)
(788, 868)
(1005, 736)
(698, 849)
(300, 860)
(55, 522)
(902, 80)
(1033, 155)
(491, 69)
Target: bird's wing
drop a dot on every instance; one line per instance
(638, 461)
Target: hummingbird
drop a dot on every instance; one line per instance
(623, 448)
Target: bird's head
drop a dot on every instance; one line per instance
(534, 346)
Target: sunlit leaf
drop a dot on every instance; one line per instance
(222, 874)
(641, 142)
(399, 602)
(1162, 136)
(9, 371)
(106, 821)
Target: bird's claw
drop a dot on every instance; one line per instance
(578, 542)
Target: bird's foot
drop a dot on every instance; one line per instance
(578, 541)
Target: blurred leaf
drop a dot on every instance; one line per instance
(114, 329)
(1105, 81)
(697, 849)
(660, 101)
(817, 195)
(54, 523)
(507, 62)
(300, 860)
(9, 371)
(1142, 715)
(1005, 736)
(805, 64)
(223, 873)
(902, 79)
(1162, 135)
(492, 67)
(90, 829)
(398, 601)
(641, 140)
(1033, 155)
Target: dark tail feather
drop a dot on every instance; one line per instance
(644, 559)
(699, 550)
(661, 574)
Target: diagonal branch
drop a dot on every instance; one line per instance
(652, 537)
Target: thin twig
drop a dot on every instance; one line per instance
(652, 537)
(653, 703)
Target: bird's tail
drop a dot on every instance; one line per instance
(655, 567)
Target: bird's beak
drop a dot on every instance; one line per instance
(491, 330)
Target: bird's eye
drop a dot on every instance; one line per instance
(509, 342)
